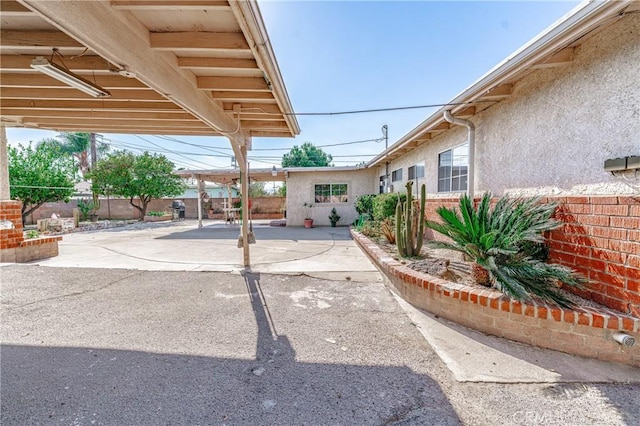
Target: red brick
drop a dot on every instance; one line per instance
(605, 232)
(598, 320)
(626, 222)
(593, 220)
(634, 310)
(583, 318)
(633, 285)
(604, 200)
(627, 324)
(611, 210)
(612, 323)
(634, 210)
(529, 310)
(473, 297)
(633, 261)
(495, 302)
(617, 269)
(484, 300)
(505, 305)
(564, 258)
(556, 314)
(624, 246)
(573, 209)
(569, 316)
(609, 255)
(542, 312)
(577, 200)
(464, 295)
(516, 307)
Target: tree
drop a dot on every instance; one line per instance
(38, 176)
(77, 145)
(142, 177)
(256, 189)
(306, 156)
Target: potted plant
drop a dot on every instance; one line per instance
(334, 217)
(308, 221)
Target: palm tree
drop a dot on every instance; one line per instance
(501, 243)
(78, 145)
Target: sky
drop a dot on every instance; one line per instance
(339, 56)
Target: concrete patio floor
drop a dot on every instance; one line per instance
(182, 246)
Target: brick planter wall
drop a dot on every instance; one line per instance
(13, 246)
(600, 239)
(585, 331)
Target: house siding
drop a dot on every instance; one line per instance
(554, 133)
(300, 190)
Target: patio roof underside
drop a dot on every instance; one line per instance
(233, 176)
(173, 67)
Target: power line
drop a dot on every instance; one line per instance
(362, 111)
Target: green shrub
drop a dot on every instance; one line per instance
(32, 233)
(384, 205)
(364, 205)
(156, 213)
(371, 229)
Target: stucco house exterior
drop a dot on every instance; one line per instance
(545, 121)
(542, 122)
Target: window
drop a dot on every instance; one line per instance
(396, 175)
(331, 193)
(453, 169)
(416, 172)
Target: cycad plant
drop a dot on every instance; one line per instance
(500, 242)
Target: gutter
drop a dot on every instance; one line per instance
(471, 132)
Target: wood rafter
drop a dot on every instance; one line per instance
(498, 92)
(41, 80)
(171, 4)
(560, 58)
(213, 63)
(23, 39)
(81, 64)
(100, 114)
(90, 105)
(254, 108)
(255, 97)
(69, 93)
(198, 41)
(233, 83)
(93, 121)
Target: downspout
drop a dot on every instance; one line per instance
(471, 129)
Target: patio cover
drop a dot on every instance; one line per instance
(173, 67)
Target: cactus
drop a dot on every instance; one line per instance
(410, 223)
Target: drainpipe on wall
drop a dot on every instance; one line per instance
(472, 149)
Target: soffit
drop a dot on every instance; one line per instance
(204, 48)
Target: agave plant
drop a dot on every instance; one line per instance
(501, 242)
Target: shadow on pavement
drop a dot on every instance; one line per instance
(226, 232)
(71, 385)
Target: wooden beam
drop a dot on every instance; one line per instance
(42, 80)
(92, 105)
(466, 112)
(270, 134)
(100, 114)
(92, 121)
(562, 57)
(264, 117)
(262, 125)
(221, 63)
(13, 8)
(218, 5)
(262, 97)
(254, 108)
(498, 92)
(233, 83)
(198, 41)
(124, 129)
(443, 125)
(80, 64)
(26, 39)
(69, 93)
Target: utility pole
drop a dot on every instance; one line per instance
(385, 133)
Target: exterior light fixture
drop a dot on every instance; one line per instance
(274, 172)
(64, 75)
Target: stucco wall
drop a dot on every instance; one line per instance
(301, 186)
(554, 133)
